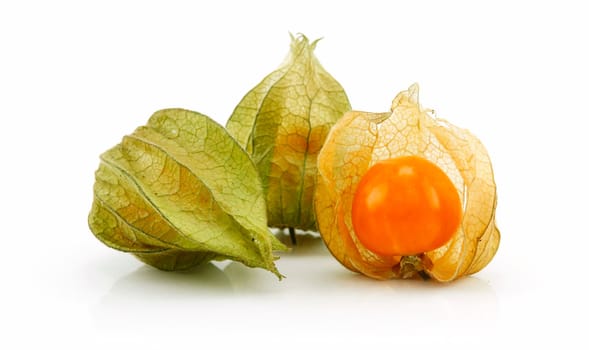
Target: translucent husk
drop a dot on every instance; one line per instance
(282, 123)
(361, 139)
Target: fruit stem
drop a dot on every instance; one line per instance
(411, 265)
(293, 237)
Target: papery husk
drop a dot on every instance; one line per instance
(180, 192)
(359, 140)
(282, 123)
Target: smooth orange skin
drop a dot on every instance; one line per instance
(405, 206)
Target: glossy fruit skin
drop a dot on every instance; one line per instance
(405, 206)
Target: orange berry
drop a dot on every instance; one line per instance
(405, 206)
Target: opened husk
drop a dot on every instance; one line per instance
(359, 140)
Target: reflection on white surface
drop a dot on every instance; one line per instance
(317, 294)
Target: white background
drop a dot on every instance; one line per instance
(77, 76)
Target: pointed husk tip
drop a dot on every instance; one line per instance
(300, 40)
(407, 97)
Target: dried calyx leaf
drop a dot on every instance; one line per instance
(361, 139)
(179, 192)
(282, 122)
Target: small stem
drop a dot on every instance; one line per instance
(293, 237)
(410, 266)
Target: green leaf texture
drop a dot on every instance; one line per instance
(282, 122)
(179, 192)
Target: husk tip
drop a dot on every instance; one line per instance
(409, 96)
(301, 40)
(272, 268)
